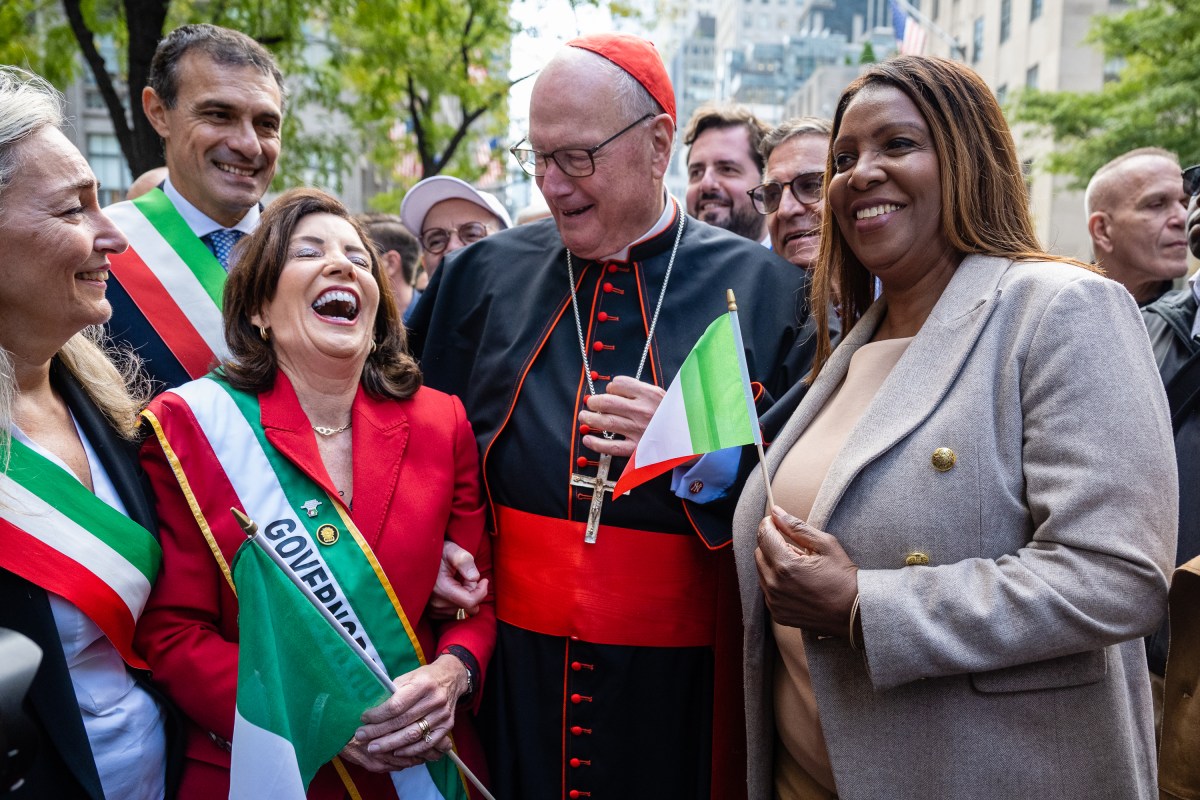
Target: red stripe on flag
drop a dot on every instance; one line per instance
(40, 564)
(635, 476)
(162, 312)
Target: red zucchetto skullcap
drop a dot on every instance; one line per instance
(636, 56)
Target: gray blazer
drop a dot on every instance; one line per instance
(1012, 665)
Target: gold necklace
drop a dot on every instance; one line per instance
(321, 429)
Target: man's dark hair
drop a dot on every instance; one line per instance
(224, 46)
(387, 232)
(727, 116)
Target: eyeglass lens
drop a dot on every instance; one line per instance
(435, 240)
(806, 188)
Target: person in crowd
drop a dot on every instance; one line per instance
(79, 550)
(447, 214)
(400, 253)
(791, 196)
(319, 395)
(1174, 328)
(150, 179)
(215, 96)
(616, 670)
(723, 163)
(1136, 208)
(967, 540)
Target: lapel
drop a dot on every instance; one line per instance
(915, 387)
(380, 433)
(117, 455)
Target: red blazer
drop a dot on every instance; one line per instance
(416, 483)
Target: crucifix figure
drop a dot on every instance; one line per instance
(599, 485)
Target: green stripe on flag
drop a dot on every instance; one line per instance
(714, 397)
(166, 219)
(297, 679)
(62, 491)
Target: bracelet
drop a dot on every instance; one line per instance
(853, 622)
(468, 661)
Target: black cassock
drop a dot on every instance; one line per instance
(602, 684)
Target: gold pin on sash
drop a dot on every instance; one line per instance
(327, 534)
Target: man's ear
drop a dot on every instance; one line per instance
(663, 139)
(156, 111)
(393, 266)
(1100, 229)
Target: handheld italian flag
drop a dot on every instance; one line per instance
(708, 406)
(300, 692)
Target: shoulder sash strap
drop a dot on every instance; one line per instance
(63, 538)
(345, 575)
(174, 280)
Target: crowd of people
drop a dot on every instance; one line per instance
(937, 585)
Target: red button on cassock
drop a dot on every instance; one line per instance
(584, 430)
(612, 267)
(575, 665)
(581, 461)
(574, 762)
(576, 699)
(608, 287)
(597, 345)
(595, 375)
(602, 316)
(573, 794)
(576, 730)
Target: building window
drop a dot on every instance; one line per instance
(977, 41)
(1001, 93)
(1031, 77)
(1112, 69)
(105, 157)
(1005, 20)
(1035, 10)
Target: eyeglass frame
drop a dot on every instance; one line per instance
(531, 169)
(1191, 176)
(759, 205)
(452, 232)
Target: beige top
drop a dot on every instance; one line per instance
(800, 752)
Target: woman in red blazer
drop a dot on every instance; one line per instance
(317, 426)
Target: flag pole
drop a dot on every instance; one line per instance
(762, 459)
(250, 528)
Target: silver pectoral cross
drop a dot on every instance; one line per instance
(599, 485)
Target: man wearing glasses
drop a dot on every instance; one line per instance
(615, 672)
(1174, 329)
(791, 195)
(447, 214)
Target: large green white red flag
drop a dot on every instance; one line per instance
(708, 406)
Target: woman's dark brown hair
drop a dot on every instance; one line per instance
(389, 370)
(985, 209)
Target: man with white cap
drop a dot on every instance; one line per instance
(447, 214)
(615, 673)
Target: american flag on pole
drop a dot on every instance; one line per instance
(910, 34)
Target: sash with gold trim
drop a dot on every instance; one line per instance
(56, 534)
(173, 279)
(221, 457)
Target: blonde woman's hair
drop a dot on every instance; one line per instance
(111, 378)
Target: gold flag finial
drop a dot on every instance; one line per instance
(731, 300)
(248, 526)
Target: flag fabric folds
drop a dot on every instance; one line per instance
(708, 406)
(301, 689)
(910, 34)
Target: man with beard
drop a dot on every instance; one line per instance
(723, 164)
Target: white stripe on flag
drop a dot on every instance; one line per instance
(668, 435)
(45, 523)
(252, 477)
(263, 766)
(176, 277)
(415, 783)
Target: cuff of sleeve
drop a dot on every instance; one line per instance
(472, 665)
(708, 479)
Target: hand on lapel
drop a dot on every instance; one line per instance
(808, 580)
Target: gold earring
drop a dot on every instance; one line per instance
(262, 334)
(374, 346)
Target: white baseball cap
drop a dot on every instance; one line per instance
(431, 191)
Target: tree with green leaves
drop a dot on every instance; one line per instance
(385, 79)
(1155, 101)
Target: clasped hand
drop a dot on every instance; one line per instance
(625, 408)
(808, 580)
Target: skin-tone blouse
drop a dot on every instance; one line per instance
(802, 768)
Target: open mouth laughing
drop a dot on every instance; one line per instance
(337, 305)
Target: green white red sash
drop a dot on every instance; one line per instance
(58, 535)
(174, 280)
(225, 450)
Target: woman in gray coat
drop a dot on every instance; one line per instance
(975, 503)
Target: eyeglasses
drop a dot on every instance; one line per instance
(436, 240)
(577, 162)
(806, 188)
(1191, 180)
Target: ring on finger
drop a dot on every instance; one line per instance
(428, 737)
(423, 724)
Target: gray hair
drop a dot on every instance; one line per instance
(629, 96)
(27, 104)
(791, 129)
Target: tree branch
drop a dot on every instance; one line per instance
(112, 100)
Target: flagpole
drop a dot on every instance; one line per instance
(762, 459)
(251, 530)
